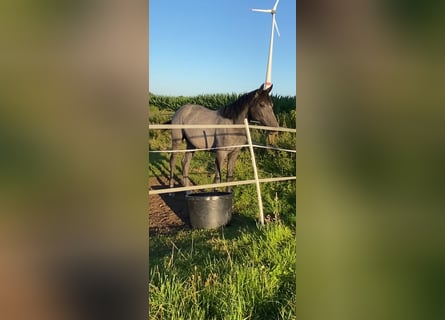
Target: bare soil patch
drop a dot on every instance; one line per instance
(167, 214)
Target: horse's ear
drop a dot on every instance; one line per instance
(261, 88)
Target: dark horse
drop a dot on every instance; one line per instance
(255, 105)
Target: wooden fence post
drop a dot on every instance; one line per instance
(255, 171)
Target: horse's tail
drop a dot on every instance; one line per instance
(166, 122)
(177, 134)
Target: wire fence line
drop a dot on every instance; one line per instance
(220, 148)
(202, 149)
(247, 127)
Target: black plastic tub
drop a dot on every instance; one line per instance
(209, 210)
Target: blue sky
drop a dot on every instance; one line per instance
(219, 46)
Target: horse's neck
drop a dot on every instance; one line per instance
(241, 116)
(236, 111)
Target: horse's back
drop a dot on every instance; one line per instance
(197, 114)
(194, 114)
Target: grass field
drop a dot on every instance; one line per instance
(242, 271)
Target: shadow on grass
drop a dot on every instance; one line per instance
(160, 169)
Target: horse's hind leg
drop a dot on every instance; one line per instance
(185, 169)
(176, 142)
(173, 157)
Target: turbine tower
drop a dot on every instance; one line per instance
(272, 11)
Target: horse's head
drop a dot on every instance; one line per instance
(261, 109)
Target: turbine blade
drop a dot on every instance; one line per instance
(276, 25)
(262, 10)
(276, 4)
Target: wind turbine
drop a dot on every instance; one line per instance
(272, 11)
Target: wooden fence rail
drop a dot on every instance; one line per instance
(207, 126)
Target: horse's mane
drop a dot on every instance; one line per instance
(234, 109)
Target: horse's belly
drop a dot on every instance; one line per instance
(196, 115)
(201, 138)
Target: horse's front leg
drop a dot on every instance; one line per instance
(219, 160)
(231, 166)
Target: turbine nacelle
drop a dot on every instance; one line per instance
(272, 12)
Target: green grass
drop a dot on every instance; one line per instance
(224, 274)
(242, 271)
